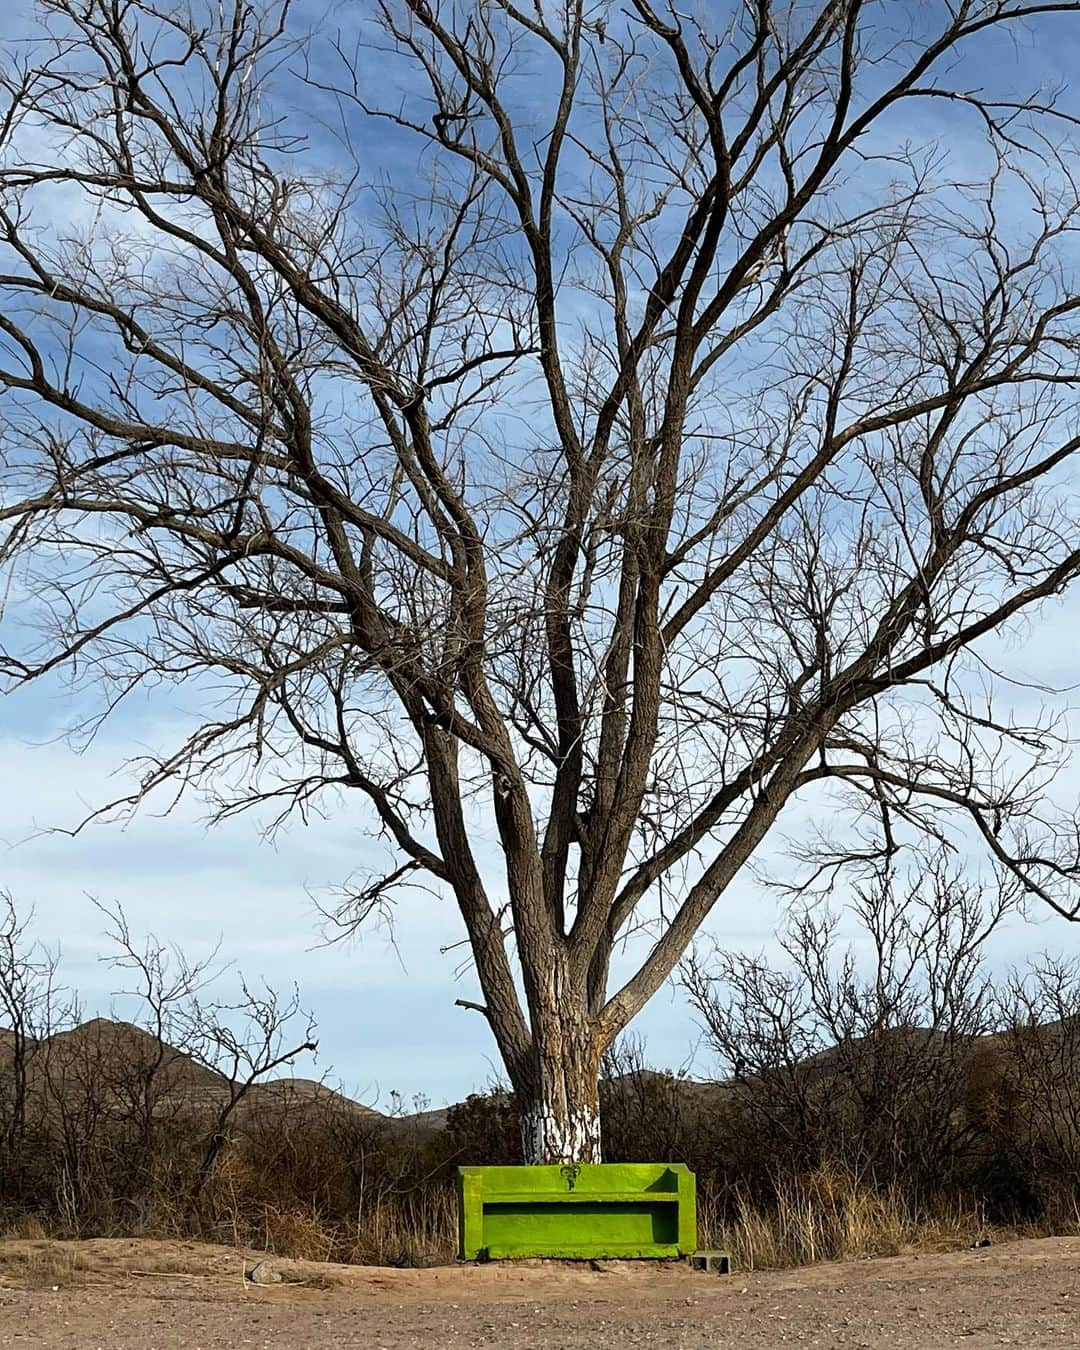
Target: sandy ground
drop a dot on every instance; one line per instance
(121, 1295)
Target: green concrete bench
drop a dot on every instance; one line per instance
(593, 1210)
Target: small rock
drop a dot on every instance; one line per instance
(264, 1272)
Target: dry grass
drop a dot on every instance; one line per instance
(830, 1216)
(28, 1226)
(42, 1265)
(412, 1230)
(825, 1216)
(417, 1227)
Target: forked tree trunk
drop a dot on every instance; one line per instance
(560, 1101)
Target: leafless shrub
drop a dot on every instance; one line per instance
(648, 1113)
(32, 1008)
(1036, 1110)
(864, 1065)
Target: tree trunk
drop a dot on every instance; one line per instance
(560, 1102)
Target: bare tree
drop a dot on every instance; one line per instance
(246, 1056)
(601, 420)
(165, 986)
(241, 1042)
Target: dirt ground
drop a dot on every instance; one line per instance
(123, 1295)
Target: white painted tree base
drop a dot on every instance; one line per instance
(563, 1137)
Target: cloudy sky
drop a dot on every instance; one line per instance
(384, 1003)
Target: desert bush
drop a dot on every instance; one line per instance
(647, 1113)
(484, 1129)
(866, 1068)
(1033, 1115)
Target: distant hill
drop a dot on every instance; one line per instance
(113, 1046)
(114, 1058)
(111, 1056)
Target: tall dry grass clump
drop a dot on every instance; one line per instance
(829, 1215)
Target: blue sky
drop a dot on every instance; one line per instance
(384, 1003)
